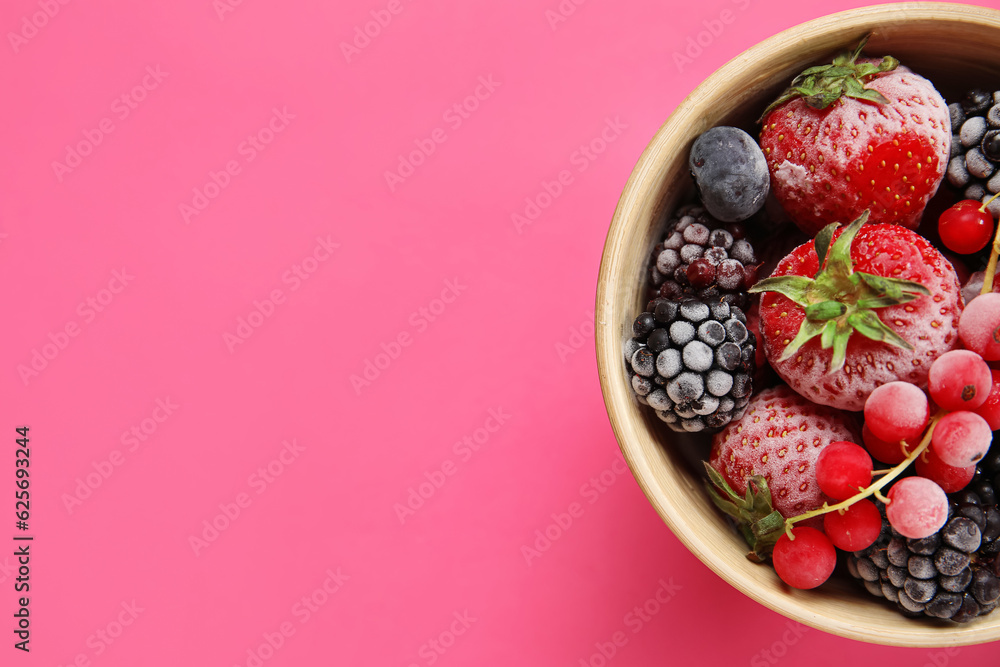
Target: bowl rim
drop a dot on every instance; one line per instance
(631, 210)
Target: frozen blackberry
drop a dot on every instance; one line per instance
(953, 574)
(974, 167)
(703, 258)
(692, 362)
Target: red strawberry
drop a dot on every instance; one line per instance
(884, 306)
(856, 135)
(778, 438)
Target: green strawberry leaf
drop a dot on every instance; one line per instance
(796, 288)
(760, 524)
(822, 85)
(822, 243)
(868, 324)
(825, 310)
(893, 287)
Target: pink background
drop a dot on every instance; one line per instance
(137, 308)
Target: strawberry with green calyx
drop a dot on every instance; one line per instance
(856, 134)
(860, 306)
(821, 86)
(758, 521)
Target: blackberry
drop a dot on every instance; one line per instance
(974, 167)
(953, 574)
(703, 258)
(692, 362)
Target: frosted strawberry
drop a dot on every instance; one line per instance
(861, 306)
(858, 134)
(773, 448)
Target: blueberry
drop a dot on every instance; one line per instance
(731, 173)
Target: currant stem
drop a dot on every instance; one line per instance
(991, 267)
(876, 488)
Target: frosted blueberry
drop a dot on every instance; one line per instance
(730, 172)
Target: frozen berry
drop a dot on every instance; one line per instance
(897, 411)
(979, 325)
(958, 380)
(842, 470)
(730, 172)
(917, 507)
(806, 561)
(961, 438)
(855, 528)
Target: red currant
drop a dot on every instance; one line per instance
(805, 562)
(961, 438)
(958, 380)
(843, 469)
(856, 529)
(965, 228)
(917, 507)
(949, 478)
(979, 325)
(881, 450)
(897, 411)
(990, 410)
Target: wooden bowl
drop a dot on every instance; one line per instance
(956, 47)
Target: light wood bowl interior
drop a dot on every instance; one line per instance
(957, 47)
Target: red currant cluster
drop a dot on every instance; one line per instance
(901, 430)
